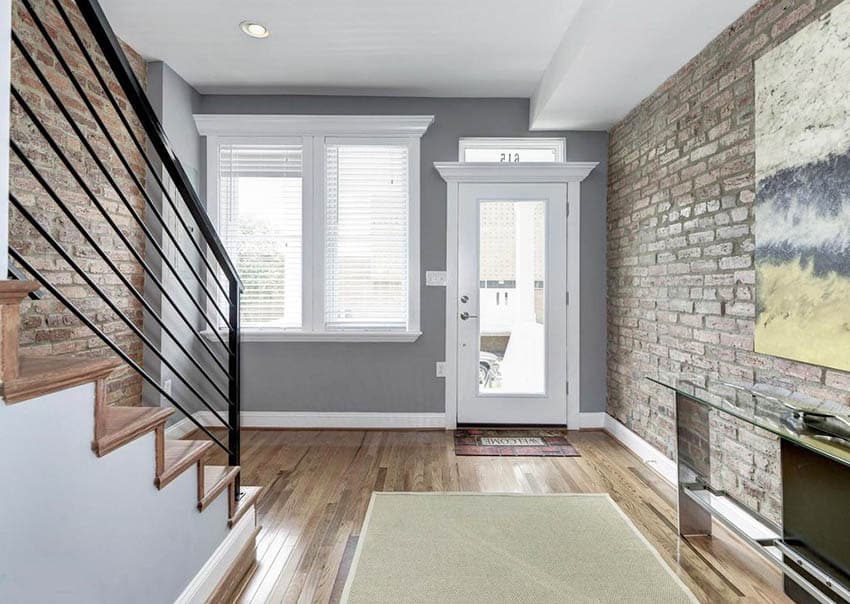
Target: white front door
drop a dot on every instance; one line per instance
(512, 303)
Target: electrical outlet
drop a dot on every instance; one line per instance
(441, 369)
(435, 278)
(166, 385)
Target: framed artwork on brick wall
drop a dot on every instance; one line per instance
(802, 212)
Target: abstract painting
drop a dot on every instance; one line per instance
(802, 212)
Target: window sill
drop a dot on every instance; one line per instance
(273, 335)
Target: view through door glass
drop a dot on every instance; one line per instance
(512, 313)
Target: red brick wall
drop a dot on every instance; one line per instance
(680, 250)
(48, 327)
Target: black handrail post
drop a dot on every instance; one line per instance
(235, 371)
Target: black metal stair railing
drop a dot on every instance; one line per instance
(211, 284)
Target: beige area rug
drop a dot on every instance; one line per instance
(475, 548)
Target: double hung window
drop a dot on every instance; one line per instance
(323, 227)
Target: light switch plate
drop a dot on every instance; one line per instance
(435, 278)
(441, 369)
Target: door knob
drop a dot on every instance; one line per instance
(465, 316)
(464, 299)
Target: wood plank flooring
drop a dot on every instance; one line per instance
(318, 484)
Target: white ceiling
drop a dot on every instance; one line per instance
(396, 47)
(584, 63)
(616, 52)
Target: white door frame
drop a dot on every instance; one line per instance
(572, 173)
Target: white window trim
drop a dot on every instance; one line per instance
(369, 126)
(558, 145)
(274, 335)
(313, 132)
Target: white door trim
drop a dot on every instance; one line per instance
(572, 173)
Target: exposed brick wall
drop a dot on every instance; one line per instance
(680, 250)
(48, 327)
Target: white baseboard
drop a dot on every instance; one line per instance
(352, 420)
(591, 420)
(309, 419)
(651, 456)
(202, 586)
(343, 420)
(306, 419)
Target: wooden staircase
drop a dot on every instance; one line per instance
(23, 378)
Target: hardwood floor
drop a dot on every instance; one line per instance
(318, 484)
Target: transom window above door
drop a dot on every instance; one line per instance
(321, 217)
(512, 150)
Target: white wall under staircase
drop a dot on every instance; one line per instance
(75, 528)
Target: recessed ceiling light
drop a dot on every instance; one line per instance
(255, 30)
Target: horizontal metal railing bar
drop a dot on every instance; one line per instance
(60, 154)
(111, 48)
(112, 345)
(160, 149)
(130, 287)
(84, 186)
(139, 147)
(141, 187)
(104, 256)
(43, 182)
(120, 314)
(106, 173)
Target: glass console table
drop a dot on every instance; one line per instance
(811, 546)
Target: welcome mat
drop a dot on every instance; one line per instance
(513, 443)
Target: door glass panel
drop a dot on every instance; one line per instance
(512, 267)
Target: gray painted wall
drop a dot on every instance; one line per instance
(179, 103)
(391, 377)
(175, 103)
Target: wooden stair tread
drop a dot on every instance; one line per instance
(38, 376)
(179, 455)
(216, 480)
(120, 425)
(250, 496)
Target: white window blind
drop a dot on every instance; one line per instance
(366, 237)
(260, 224)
